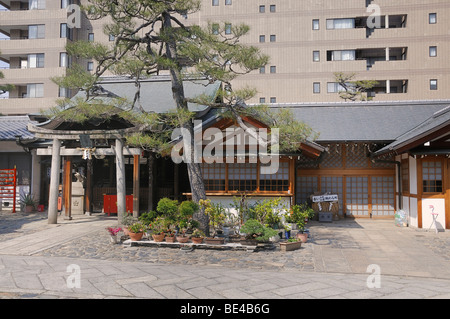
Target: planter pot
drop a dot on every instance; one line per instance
(234, 238)
(286, 246)
(135, 236)
(182, 239)
(171, 239)
(214, 241)
(28, 209)
(197, 240)
(249, 242)
(125, 231)
(158, 237)
(113, 239)
(303, 237)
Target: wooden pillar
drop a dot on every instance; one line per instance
(151, 189)
(120, 181)
(54, 182)
(67, 187)
(89, 185)
(136, 174)
(176, 180)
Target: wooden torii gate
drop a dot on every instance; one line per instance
(118, 150)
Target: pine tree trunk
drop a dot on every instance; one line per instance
(193, 166)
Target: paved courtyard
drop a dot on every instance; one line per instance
(34, 257)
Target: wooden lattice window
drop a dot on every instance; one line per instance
(242, 177)
(357, 196)
(356, 156)
(432, 176)
(306, 186)
(276, 182)
(405, 176)
(333, 158)
(214, 176)
(383, 202)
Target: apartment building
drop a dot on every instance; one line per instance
(402, 45)
(404, 50)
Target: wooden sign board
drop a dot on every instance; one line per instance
(325, 198)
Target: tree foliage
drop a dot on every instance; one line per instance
(353, 90)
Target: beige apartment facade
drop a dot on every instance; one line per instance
(307, 41)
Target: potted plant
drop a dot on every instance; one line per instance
(159, 227)
(113, 231)
(170, 235)
(28, 202)
(197, 236)
(136, 231)
(291, 244)
(300, 214)
(127, 221)
(216, 214)
(256, 232)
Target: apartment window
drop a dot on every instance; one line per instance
(316, 87)
(433, 51)
(215, 2)
(432, 176)
(316, 56)
(36, 4)
(433, 84)
(66, 3)
(262, 38)
(262, 9)
(315, 24)
(273, 69)
(228, 28)
(65, 31)
(432, 18)
(90, 37)
(36, 60)
(341, 55)
(262, 70)
(90, 66)
(273, 100)
(35, 90)
(228, 2)
(334, 87)
(64, 92)
(64, 60)
(340, 24)
(273, 38)
(215, 28)
(36, 31)
(273, 8)
(262, 100)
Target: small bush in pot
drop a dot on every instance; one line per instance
(256, 232)
(197, 236)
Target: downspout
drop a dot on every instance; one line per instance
(399, 178)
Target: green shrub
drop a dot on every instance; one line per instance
(253, 229)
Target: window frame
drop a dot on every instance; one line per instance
(441, 186)
(315, 22)
(316, 84)
(434, 48)
(433, 87)
(286, 188)
(432, 20)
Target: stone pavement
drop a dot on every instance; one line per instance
(34, 257)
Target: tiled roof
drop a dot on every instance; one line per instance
(368, 121)
(11, 126)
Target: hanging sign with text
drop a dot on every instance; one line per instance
(325, 198)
